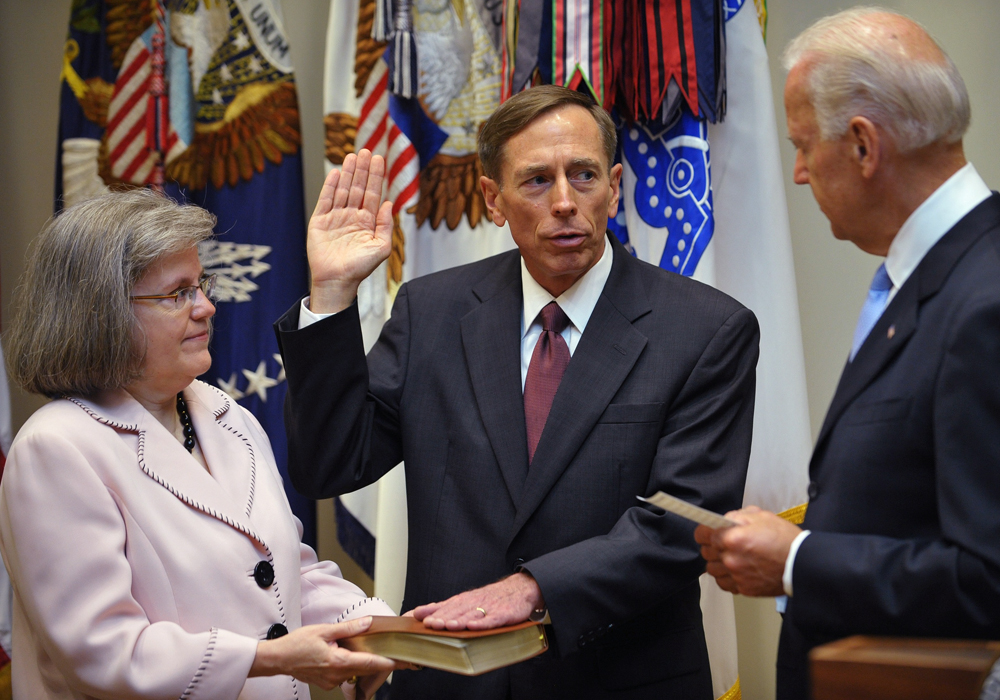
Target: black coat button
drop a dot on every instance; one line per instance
(517, 563)
(276, 630)
(263, 574)
(813, 490)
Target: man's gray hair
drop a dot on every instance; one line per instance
(918, 102)
(74, 331)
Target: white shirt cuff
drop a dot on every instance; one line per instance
(786, 577)
(306, 315)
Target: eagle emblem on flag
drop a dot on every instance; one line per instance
(203, 93)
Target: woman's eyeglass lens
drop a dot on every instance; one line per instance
(185, 296)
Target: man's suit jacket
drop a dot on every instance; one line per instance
(658, 395)
(133, 567)
(905, 479)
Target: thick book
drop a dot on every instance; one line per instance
(467, 652)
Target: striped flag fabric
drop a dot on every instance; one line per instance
(141, 136)
(578, 52)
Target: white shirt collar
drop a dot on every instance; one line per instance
(577, 302)
(960, 194)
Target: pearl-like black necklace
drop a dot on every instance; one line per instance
(182, 412)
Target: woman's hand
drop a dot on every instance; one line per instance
(311, 655)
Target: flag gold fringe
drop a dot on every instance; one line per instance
(794, 515)
(733, 693)
(761, 7)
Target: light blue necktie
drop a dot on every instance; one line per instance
(878, 295)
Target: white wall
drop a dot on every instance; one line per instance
(832, 276)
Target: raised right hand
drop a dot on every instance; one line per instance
(311, 655)
(349, 233)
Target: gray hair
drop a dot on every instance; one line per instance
(918, 102)
(74, 330)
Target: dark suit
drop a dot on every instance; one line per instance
(905, 479)
(658, 395)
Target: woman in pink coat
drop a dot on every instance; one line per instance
(151, 548)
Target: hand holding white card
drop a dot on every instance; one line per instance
(688, 511)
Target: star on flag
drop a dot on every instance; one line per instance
(230, 387)
(259, 382)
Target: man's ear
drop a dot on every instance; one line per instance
(616, 180)
(494, 200)
(866, 145)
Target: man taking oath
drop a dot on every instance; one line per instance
(531, 396)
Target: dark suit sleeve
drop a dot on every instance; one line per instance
(649, 556)
(933, 586)
(341, 435)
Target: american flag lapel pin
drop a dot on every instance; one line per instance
(891, 332)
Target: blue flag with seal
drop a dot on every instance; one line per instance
(197, 99)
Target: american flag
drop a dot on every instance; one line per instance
(379, 132)
(140, 138)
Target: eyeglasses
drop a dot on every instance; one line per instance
(185, 296)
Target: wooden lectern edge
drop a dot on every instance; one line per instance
(863, 667)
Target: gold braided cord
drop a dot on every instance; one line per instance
(761, 7)
(397, 256)
(794, 515)
(733, 693)
(368, 51)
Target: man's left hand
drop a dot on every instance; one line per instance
(506, 602)
(749, 558)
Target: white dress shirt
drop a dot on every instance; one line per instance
(577, 303)
(936, 215)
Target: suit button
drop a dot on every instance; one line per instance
(517, 563)
(813, 490)
(582, 641)
(276, 630)
(263, 574)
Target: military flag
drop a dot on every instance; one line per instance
(197, 98)
(722, 218)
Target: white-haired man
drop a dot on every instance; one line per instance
(902, 533)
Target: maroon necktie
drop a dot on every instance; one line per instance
(548, 362)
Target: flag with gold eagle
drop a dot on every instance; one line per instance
(197, 98)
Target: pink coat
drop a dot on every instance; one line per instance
(133, 567)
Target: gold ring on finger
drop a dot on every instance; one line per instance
(482, 611)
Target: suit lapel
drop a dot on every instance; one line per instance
(605, 355)
(228, 453)
(875, 353)
(164, 460)
(900, 320)
(491, 340)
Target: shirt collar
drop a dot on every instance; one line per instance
(935, 216)
(577, 302)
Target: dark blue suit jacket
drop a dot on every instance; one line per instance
(658, 395)
(905, 479)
